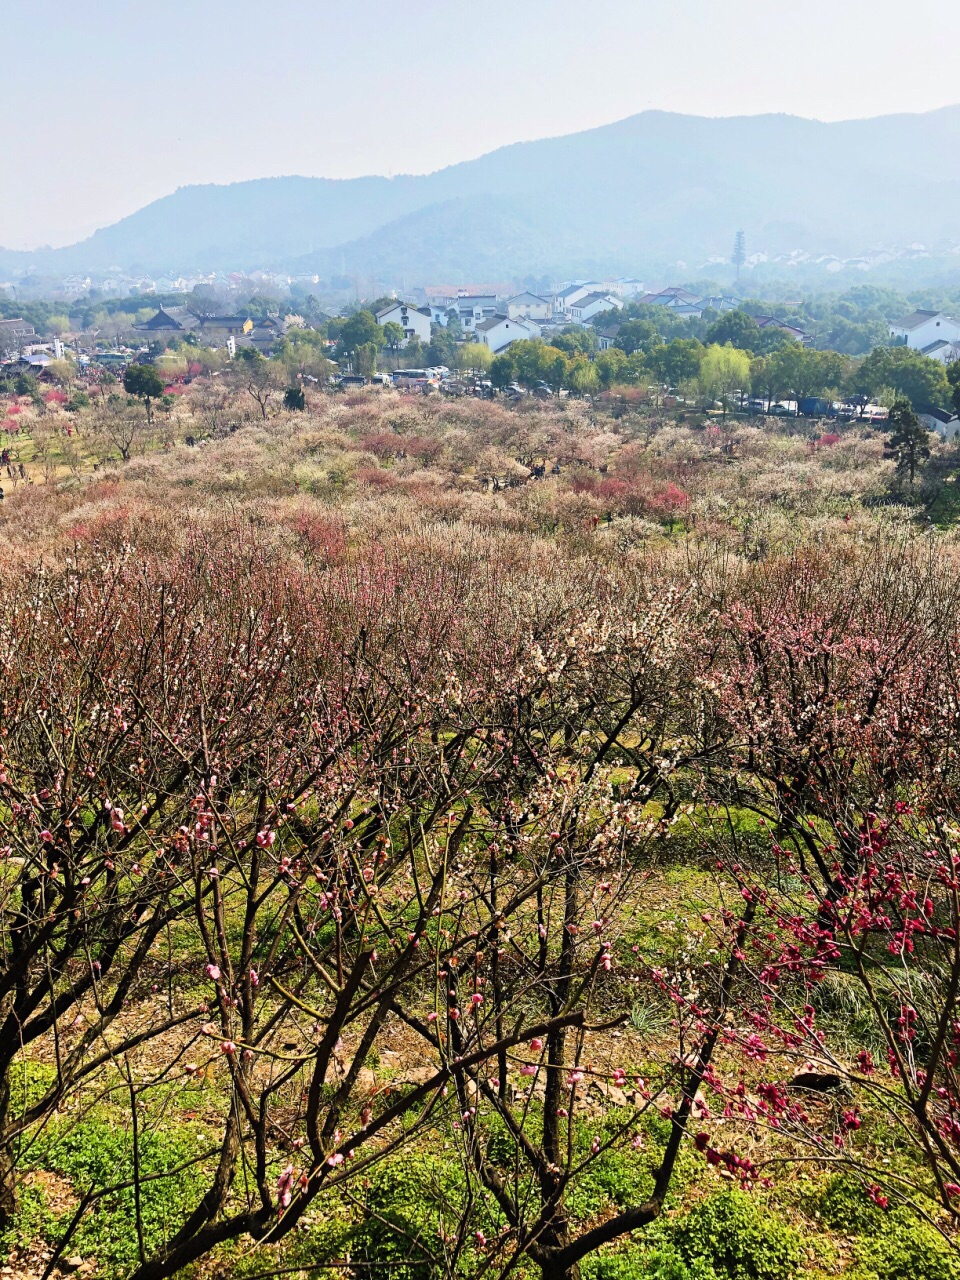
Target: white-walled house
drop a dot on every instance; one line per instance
(414, 323)
(586, 308)
(475, 308)
(923, 329)
(440, 312)
(565, 298)
(942, 350)
(528, 306)
(497, 332)
(944, 421)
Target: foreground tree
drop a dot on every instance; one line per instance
(908, 441)
(260, 378)
(838, 690)
(723, 371)
(143, 381)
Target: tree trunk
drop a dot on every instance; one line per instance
(554, 1238)
(551, 1271)
(8, 1169)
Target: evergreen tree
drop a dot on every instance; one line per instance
(908, 442)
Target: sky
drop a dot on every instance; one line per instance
(114, 103)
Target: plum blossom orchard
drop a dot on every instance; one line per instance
(603, 879)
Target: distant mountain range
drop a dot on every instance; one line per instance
(629, 197)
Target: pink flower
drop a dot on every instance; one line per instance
(476, 999)
(254, 978)
(431, 1017)
(873, 1193)
(528, 1069)
(536, 1044)
(228, 1047)
(213, 972)
(46, 835)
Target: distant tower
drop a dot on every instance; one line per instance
(739, 252)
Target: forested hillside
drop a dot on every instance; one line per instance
(629, 197)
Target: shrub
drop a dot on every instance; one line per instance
(738, 1240)
(639, 1263)
(400, 1224)
(907, 1249)
(844, 1206)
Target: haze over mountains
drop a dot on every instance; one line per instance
(628, 197)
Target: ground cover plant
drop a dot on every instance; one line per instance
(445, 838)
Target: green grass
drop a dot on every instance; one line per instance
(95, 1155)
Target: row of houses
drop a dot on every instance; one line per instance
(260, 332)
(482, 318)
(496, 320)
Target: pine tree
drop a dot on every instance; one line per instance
(908, 442)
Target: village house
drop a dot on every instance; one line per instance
(607, 337)
(564, 299)
(441, 313)
(528, 306)
(923, 330)
(167, 323)
(472, 309)
(220, 328)
(718, 302)
(497, 332)
(592, 305)
(15, 335)
(942, 350)
(675, 299)
(414, 323)
(944, 421)
(791, 330)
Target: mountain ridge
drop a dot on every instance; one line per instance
(625, 196)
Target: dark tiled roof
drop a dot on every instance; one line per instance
(916, 319)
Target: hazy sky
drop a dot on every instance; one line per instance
(111, 103)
